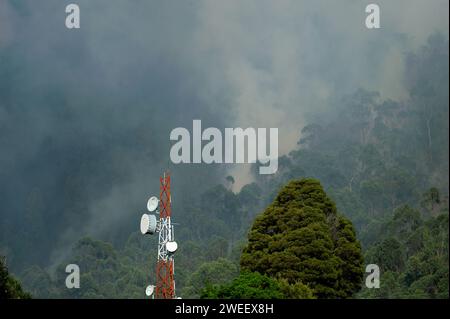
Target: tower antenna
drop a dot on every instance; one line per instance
(167, 246)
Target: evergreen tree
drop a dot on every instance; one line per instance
(10, 288)
(301, 237)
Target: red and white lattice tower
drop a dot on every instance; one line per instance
(167, 246)
(165, 283)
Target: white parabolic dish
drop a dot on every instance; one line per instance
(149, 290)
(152, 203)
(148, 224)
(171, 246)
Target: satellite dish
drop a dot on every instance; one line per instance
(152, 203)
(148, 224)
(149, 290)
(171, 246)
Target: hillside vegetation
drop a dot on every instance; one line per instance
(383, 162)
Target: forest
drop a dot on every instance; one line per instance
(367, 184)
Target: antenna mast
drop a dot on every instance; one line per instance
(167, 246)
(165, 283)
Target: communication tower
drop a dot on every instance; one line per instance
(167, 246)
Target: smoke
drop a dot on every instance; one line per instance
(85, 115)
(286, 59)
(5, 24)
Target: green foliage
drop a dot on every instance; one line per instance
(302, 238)
(210, 273)
(413, 257)
(210, 254)
(388, 254)
(253, 285)
(104, 273)
(374, 158)
(10, 287)
(248, 285)
(38, 282)
(295, 291)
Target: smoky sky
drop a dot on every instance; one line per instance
(85, 115)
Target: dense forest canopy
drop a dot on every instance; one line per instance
(383, 162)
